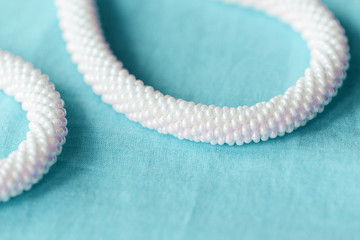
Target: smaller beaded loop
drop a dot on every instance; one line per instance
(47, 123)
(201, 123)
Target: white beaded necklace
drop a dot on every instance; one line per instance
(216, 125)
(26, 166)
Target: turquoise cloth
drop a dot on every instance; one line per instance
(118, 180)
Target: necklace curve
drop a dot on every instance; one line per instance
(198, 122)
(47, 125)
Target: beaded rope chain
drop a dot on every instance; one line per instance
(185, 120)
(201, 123)
(26, 166)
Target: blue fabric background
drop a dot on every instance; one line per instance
(117, 180)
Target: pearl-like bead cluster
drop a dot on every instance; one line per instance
(202, 123)
(26, 166)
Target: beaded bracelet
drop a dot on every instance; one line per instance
(198, 122)
(26, 166)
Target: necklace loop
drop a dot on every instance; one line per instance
(26, 166)
(198, 122)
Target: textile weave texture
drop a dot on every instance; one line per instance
(118, 180)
